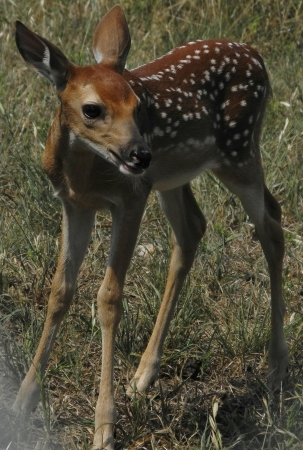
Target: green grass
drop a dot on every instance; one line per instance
(212, 390)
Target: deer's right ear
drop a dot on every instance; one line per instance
(112, 39)
(45, 57)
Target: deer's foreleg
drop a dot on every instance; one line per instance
(126, 222)
(76, 231)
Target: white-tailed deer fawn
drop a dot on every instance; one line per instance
(117, 135)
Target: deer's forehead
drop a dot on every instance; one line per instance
(100, 86)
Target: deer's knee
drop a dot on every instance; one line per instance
(61, 297)
(109, 301)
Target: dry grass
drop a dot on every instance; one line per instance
(211, 393)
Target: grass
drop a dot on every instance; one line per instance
(212, 390)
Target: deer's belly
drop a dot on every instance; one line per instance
(176, 165)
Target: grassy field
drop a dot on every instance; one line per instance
(212, 389)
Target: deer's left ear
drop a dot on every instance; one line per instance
(112, 39)
(44, 56)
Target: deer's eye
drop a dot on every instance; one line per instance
(91, 111)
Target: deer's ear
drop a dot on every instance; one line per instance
(44, 56)
(112, 39)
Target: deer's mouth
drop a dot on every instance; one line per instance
(135, 163)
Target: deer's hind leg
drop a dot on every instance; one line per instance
(188, 224)
(263, 209)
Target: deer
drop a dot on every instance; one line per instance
(118, 135)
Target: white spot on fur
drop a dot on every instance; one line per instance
(158, 132)
(210, 140)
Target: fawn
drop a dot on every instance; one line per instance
(119, 134)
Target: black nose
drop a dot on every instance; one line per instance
(140, 156)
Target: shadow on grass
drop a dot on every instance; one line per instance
(191, 407)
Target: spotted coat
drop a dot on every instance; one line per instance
(217, 86)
